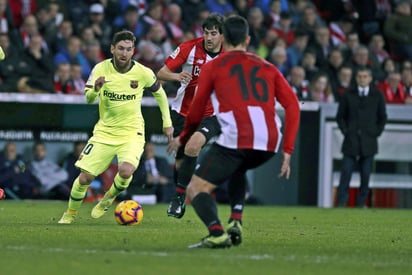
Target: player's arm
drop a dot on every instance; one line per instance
(166, 74)
(198, 106)
(93, 86)
(287, 98)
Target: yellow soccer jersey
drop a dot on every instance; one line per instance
(120, 116)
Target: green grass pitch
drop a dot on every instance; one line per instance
(277, 240)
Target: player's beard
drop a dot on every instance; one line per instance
(122, 66)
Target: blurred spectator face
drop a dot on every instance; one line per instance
(30, 25)
(63, 72)
(278, 56)
(96, 13)
(320, 83)
(149, 151)
(403, 8)
(93, 51)
(297, 75)
(362, 56)
(271, 37)
(88, 35)
(131, 17)
(345, 76)
(389, 65)
(66, 29)
(156, 33)
(174, 13)
(3, 6)
(36, 42)
(309, 60)
(336, 59)
(4, 41)
(323, 36)
(146, 52)
(309, 16)
(301, 42)
(406, 76)
(75, 71)
(39, 152)
(156, 11)
(73, 46)
(213, 39)
(352, 41)
(255, 18)
(275, 7)
(394, 79)
(10, 151)
(377, 42)
(280, 42)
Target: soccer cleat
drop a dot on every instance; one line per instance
(210, 241)
(177, 207)
(67, 218)
(235, 231)
(101, 208)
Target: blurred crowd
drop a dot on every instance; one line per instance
(51, 45)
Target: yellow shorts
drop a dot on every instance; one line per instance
(96, 156)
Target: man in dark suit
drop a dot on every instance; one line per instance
(154, 175)
(361, 117)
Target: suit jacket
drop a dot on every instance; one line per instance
(361, 120)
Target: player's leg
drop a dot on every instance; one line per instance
(209, 174)
(128, 156)
(93, 160)
(237, 195)
(208, 128)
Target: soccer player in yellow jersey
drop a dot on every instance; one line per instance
(118, 83)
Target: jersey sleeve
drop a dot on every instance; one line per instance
(287, 98)
(91, 95)
(179, 56)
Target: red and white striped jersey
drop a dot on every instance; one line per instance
(190, 56)
(244, 90)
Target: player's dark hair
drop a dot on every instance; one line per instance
(123, 35)
(235, 30)
(214, 20)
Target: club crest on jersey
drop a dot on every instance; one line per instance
(133, 84)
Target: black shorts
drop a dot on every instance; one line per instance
(209, 127)
(219, 163)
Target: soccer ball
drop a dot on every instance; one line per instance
(128, 212)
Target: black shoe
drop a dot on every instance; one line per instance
(213, 242)
(177, 207)
(235, 232)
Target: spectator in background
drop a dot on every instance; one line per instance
(321, 45)
(7, 25)
(201, 15)
(220, 6)
(345, 75)
(21, 9)
(29, 28)
(284, 28)
(361, 59)
(361, 118)
(68, 161)
(60, 40)
(392, 89)
(38, 73)
(267, 44)
(76, 76)
(101, 29)
(50, 176)
(279, 58)
(154, 174)
(377, 48)
(174, 24)
(153, 15)
(309, 64)
(49, 18)
(10, 67)
(93, 53)
(161, 44)
(340, 29)
(148, 56)
(13, 173)
(257, 29)
(273, 15)
(310, 21)
(398, 31)
(73, 54)
(300, 86)
(298, 47)
(320, 89)
(130, 21)
(241, 7)
(62, 80)
(331, 68)
(406, 80)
